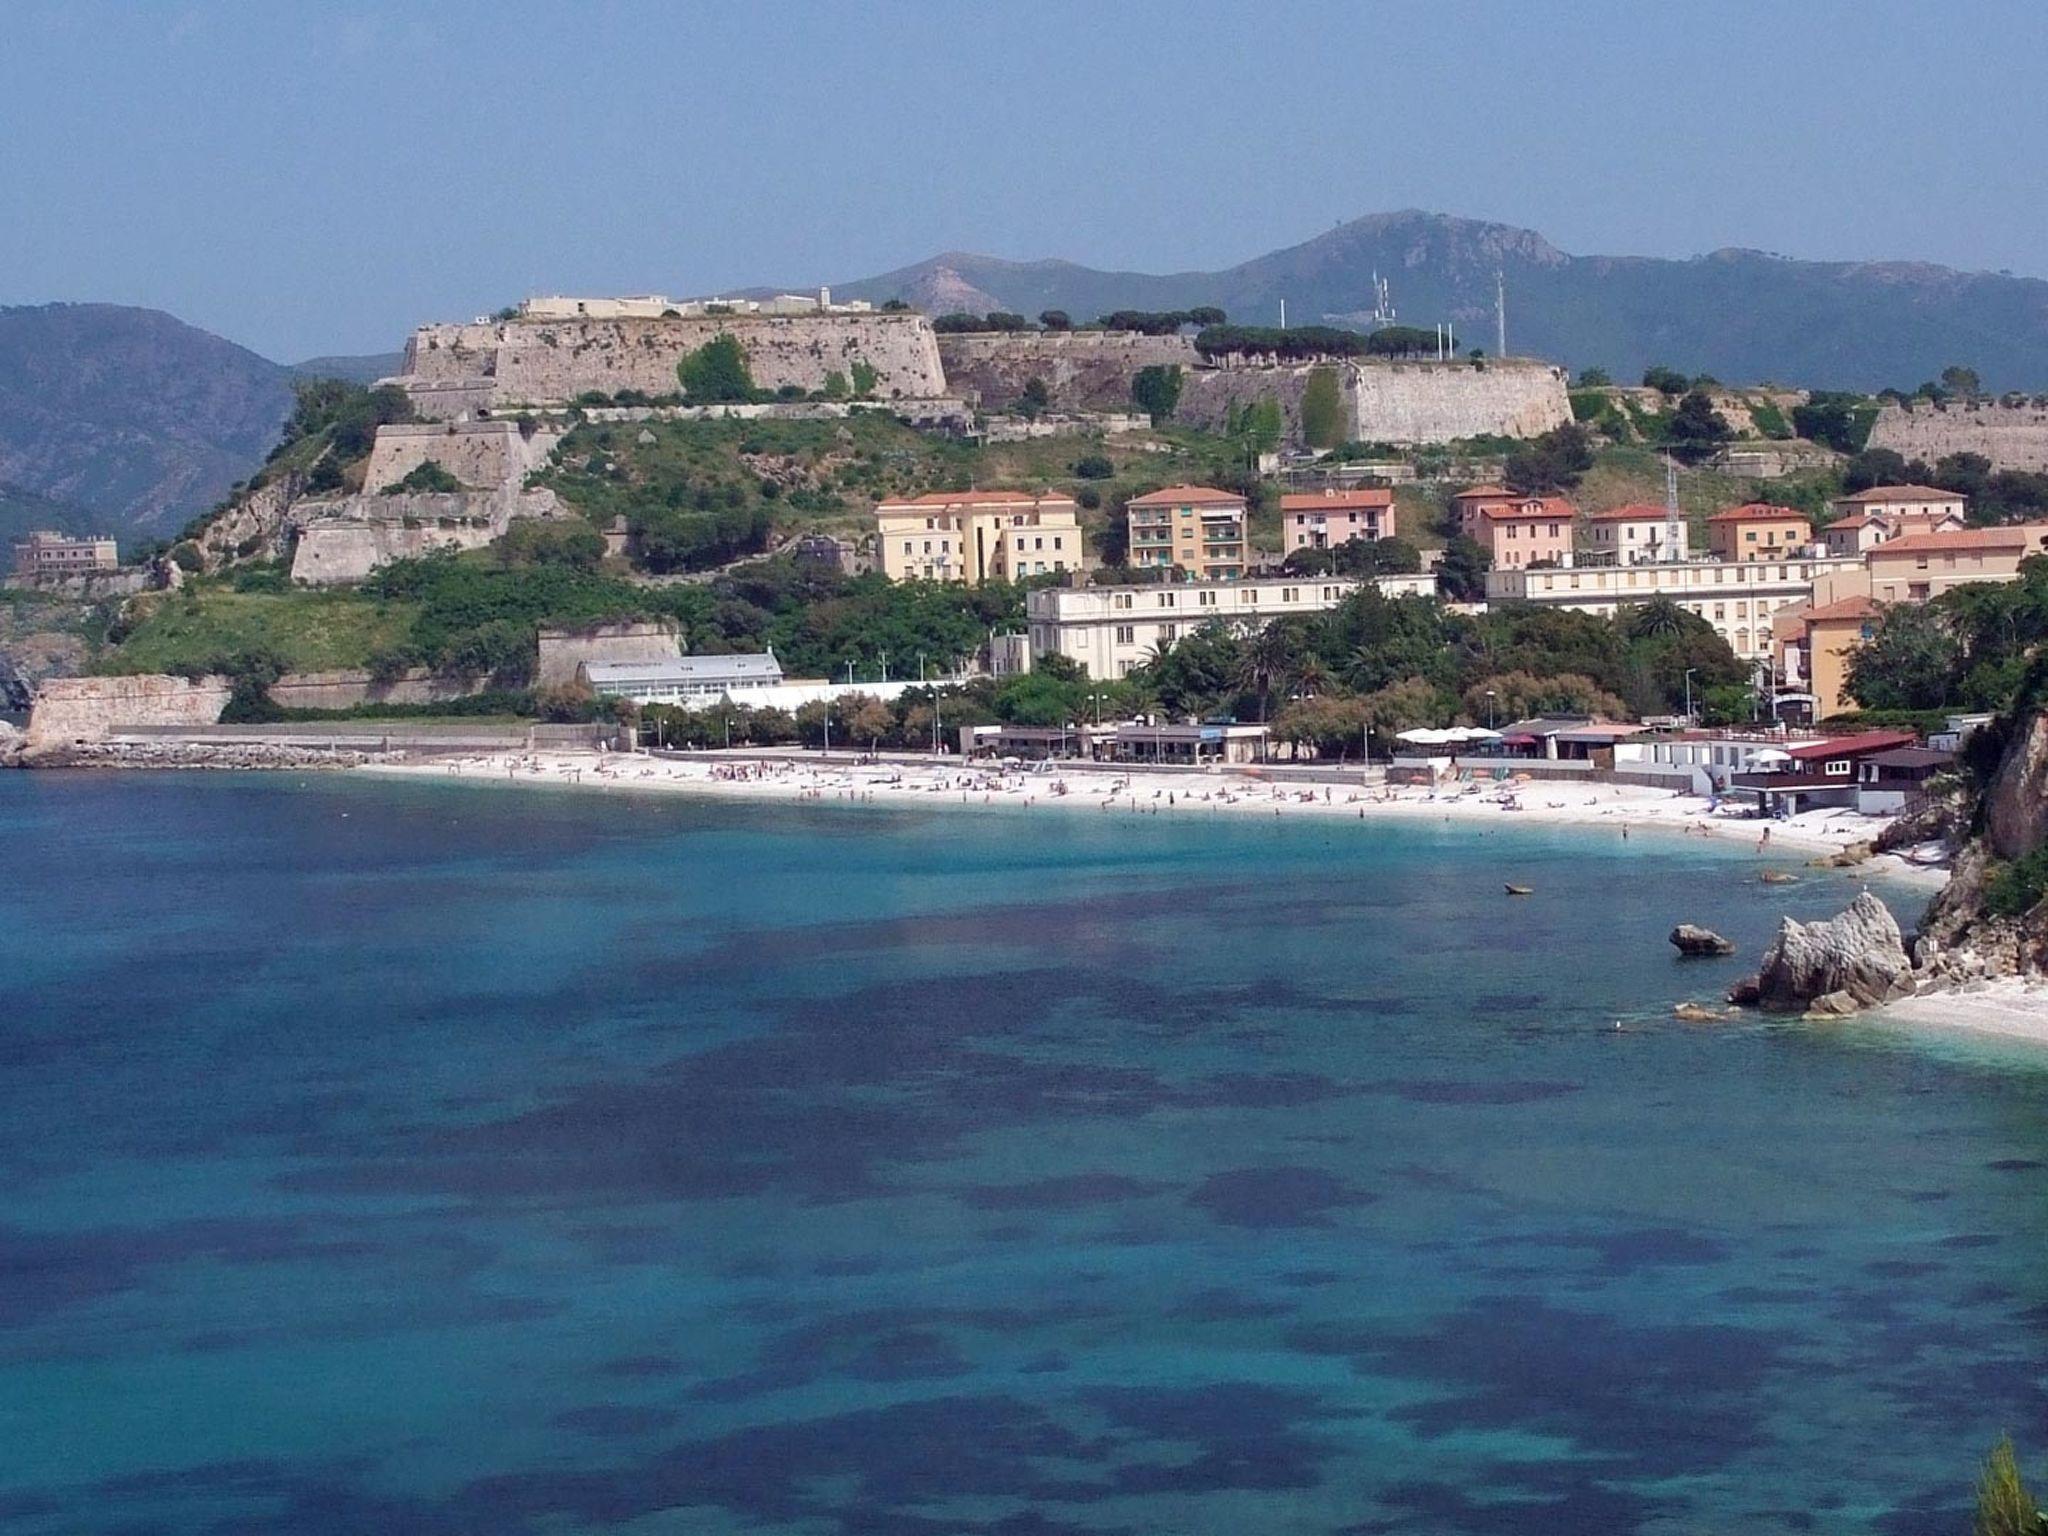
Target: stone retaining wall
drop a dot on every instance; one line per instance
(69, 710)
(2010, 436)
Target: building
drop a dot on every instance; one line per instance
(1110, 630)
(1927, 507)
(1196, 528)
(1886, 782)
(1637, 534)
(1325, 519)
(1209, 742)
(688, 680)
(1921, 566)
(1856, 534)
(1530, 530)
(1739, 598)
(1036, 743)
(1815, 774)
(1830, 633)
(1758, 531)
(1469, 508)
(47, 556)
(977, 536)
(821, 551)
(1710, 759)
(1559, 738)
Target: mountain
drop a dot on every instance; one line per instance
(130, 413)
(356, 370)
(1743, 316)
(23, 512)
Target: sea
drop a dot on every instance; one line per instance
(394, 1157)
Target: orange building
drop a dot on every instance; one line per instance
(1831, 632)
(1925, 565)
(1530, 530)
(1196, 527)
(1758, 531)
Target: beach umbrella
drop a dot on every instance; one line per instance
(1422, 736)
(1771, 755)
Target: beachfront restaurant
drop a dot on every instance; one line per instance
(1566, 738)
(1814, 775)
(1209, 742)
(1033, 743)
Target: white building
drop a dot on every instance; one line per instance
(1639, 534)
(1737, 597)
(688, 680)
(1110, 630)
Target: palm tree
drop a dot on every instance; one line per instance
(1657, 619)
(1264, 663)
(1311, 676)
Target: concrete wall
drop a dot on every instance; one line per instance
(1407, 403)
(486, 455)
(540, 361)
(2011, 437)
(72, 709)
(1083, 370)
(346, 689)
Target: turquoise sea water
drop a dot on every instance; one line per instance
(429, 1158)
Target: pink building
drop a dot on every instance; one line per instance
(1530, 530)
(1325, 519)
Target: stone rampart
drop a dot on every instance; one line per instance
(563, 650)
(345, 540)
(2010, 436)
(348, 688)
(544, 361)
(1389, 402)
(69, 710)
(485, 455)
(1082, 370)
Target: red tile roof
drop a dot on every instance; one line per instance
(1967, 540)
(1325, 501)
(1530, 509)
(1847, 608)
(1859, 520)
(1861, 743)
(1758, 512)
(973, 498)
(1634, 512)
(1186, 496)
(1879, 494)
(1485, 493)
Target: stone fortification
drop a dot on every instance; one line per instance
(345, 540)
(347, 688)
(1389, 402)
(70, 710)
(1082, 370)
(453, 368)
(484, 455)
(2010, 436)
(564, 650)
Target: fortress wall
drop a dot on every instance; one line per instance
(538, 361)
(1406, 403)
(489, 455)
(347, 539)
(72, 709)
(1083, 370)
(562, 651)
(2011, 437)
(347, 688)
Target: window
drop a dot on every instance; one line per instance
(1168, 633)
(1126, 634)
(1838, 768)
(1166, 599)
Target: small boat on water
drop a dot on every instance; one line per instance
(1521, 890)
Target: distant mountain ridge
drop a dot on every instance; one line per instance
(1744, 316)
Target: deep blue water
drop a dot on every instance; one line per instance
(435, 1158)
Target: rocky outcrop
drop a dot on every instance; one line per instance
(12, 744)
(1695, 942)
(1961, 940)
(1856, 960)
(2016, 804)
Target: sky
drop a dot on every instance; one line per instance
(309, 179)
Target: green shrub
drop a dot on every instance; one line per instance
(2014, 888)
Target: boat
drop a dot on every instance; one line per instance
(1521, 890)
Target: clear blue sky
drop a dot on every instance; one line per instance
(310, 179)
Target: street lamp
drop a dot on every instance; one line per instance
(728, 733)
(1489, 709)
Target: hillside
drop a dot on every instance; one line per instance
(1743, 316)
(129, 413)
(367, 369)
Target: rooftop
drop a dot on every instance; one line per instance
(1634, 512)
(1484, 492)
(1758, 512)
(1530, 508)
(1847, 608)
(754, 666)
(1879, 494)
(1333, 500)
(977, 499)
(1187, 495)
(1861, 744)
(1967, 540)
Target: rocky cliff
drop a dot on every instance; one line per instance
(1969, 931)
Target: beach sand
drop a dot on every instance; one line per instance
(1614, 809)
(2011, 1009)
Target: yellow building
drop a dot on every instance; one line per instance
(1758, 531)
(1196, 527)
(977, 536)
(1925, 565)
(1832, 632)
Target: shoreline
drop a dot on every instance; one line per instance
(771, 778)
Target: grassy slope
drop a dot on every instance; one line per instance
(311, 631)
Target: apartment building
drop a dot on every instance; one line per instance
(1637, 534)
(46, 556)
(1110, 630)
(1195, 527)
(1925, 565)
(1737, 597)
(977, 536)
(1325, 519)
(1927, 505)
(1758, 531)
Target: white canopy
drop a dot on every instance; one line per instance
(1770, 755)
(1424, 736)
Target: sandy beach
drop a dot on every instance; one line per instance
(1614, 809)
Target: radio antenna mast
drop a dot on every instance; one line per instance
(1500, 313)
(1673, 528)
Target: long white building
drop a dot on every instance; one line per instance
(1736, 597)
(1110, 630)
